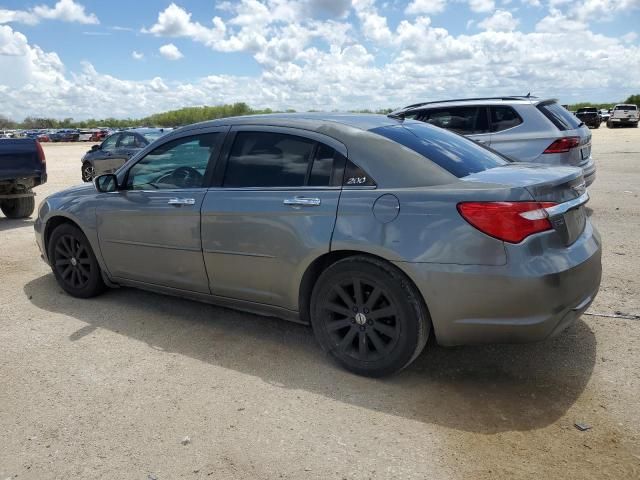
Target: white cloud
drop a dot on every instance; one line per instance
(630, 37)
(500, 21)
(426, 7)
(64, 10)
(327, 61)
(137, 55)
(482, 6)
(170, 51)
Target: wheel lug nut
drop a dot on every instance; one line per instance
(370, 322)
(365, 310)
(355, 309)
(362, 327)
(353, 320)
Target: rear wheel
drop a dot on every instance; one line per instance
(88, 172)
(368, 316)
(18, 207)
(74, 263)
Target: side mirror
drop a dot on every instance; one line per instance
(95, 147)
(106, 183)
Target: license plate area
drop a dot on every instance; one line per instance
(570, 224)
(585, 152)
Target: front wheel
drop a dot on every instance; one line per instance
(88, 172)
(368, 316)
(74, 263)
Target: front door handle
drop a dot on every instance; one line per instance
(302, 201)
(182, 201)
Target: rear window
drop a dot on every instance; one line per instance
(626, 107)
(560, 116)
(456, 154)
(587, 110)
(151, 136)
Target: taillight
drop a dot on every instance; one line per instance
(563, 145)
(508, 221)
(40, 151)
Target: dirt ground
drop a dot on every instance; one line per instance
(108, 388)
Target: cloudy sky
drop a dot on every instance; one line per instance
(131, 58)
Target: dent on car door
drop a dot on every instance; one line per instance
(272, 213)
(149, 231)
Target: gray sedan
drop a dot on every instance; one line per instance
(377, 232)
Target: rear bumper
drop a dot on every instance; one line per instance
(534, 297)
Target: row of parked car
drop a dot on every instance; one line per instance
(463, 219)
(59, 135)
(622, 115)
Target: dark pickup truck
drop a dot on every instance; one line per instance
(22, 167)
(590, 116)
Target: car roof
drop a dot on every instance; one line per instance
(507, 100)
(309, 121)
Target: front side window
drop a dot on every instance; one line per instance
(110, 143)
(503, 118)
(181, 163)
(266, 159)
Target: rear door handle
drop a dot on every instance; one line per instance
(302, 201)
(182, 201)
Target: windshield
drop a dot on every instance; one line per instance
(559, 116)
(455, 153)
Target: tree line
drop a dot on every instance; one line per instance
(188, 115)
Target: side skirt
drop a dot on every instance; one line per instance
(232, 303)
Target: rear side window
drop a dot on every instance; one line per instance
(559, 116)
(503, 118)
(463, 120)
(456, 154)
(266, 159)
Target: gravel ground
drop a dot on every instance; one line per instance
(110, 387)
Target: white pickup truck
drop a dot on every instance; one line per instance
(623, 114)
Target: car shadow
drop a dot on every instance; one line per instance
(11, 223)
(483, 389)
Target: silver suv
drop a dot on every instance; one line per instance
(525, 129)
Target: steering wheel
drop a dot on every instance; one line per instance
(186, 177)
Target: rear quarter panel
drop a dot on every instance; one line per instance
(427, 228)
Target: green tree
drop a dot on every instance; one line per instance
(635, 99)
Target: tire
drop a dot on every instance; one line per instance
(609, 125)
(376, 329)
(73, 262)
(597, 125)
(87, 171)
(18, 207)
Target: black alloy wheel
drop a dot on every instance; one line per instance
(368, 316)
(361, 320)
(74, 263)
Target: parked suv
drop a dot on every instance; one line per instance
(590, 116)
(525, 129)
(623, 115)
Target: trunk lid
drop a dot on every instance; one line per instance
(564, 186)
